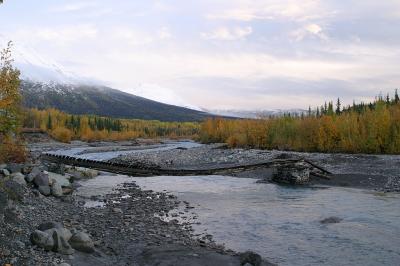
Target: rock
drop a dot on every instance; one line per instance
(81, 173)
(41, 179)
(117, 210)
(5, 172)
(49, 225)
(61, 244)
(63, 232)
(293, 174)
(61, 179)
(331, 220)
(56, 189)
(42, 239)
(82, 242)
(64, 264)
(34, 173)
(3, 166)
(67, 191)
(251, 258)
(45, 190)
(19, 178)
(57, 168)
(14, 167)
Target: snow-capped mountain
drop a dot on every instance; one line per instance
(255, 113)
(37, 68)
(45, 83)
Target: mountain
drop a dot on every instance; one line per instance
(46, 83)
(103, 101)
(255, 113)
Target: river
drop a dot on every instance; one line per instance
(281, 223)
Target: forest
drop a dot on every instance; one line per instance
(360, 128)
(66, 127)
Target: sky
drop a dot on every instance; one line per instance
(219, 54)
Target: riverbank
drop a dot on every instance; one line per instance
(375, 172)
(125, 230)
(131, 226)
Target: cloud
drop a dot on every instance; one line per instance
(313, 30)
(59, 35)
(138, 37)
(73, 7)
(273, 10)
(226, 34)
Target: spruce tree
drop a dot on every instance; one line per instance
(338, 110)
(49, 123)
(396, 97)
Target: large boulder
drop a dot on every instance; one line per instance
(251, 258)
(82, 242)
(4, 172)
(63, 180)
(61, 244)
(82, 173)
(15, 167)
(42, 239)
(62, 232)
(42, 179)
(34, 173)
(19, 178)
(56, 189)
(45, 190)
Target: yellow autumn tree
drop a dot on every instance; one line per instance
(11, 148)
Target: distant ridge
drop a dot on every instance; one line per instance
(103, 101)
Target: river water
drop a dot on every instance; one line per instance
(280, 223)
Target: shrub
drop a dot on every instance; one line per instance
(62, 134)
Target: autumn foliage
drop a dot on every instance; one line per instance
(373, 128)
(66, 127)
(11, 146)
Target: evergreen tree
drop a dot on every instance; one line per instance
(49, 125)
(338, 110)
(396, 97)
(330, 108)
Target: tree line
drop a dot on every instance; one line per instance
(66, 127)
(359, 128)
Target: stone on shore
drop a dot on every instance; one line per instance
(251, 258)
(82, 242)
(42, 239)
(41, 179)
(19, 178)
(63, 180)
(4, 172)
(14, 167)
(56, 190)
(45, 190)
(61, 244)
(34, 173)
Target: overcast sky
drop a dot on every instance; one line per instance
(219, 54)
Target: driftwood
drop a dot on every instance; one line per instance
(317, 167)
